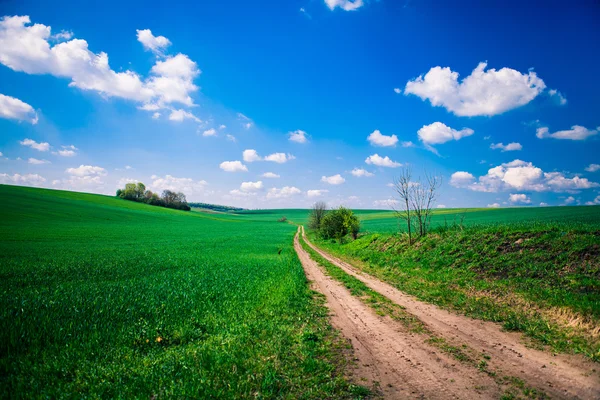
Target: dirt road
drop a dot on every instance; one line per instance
(407, 367)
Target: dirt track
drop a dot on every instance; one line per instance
(407, 367)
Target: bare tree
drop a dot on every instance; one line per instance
(403, 188)
(318, 211)
(417, 199)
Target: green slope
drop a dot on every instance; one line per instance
(102, 297)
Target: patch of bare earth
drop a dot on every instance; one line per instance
(430, 374)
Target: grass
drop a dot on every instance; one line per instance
(539, 277)
(102, 297)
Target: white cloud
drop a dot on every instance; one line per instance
(493, 205)
(86, 170)
(333, 180)
(316, 192)
(13, 108)
(156, 44)
(520, 175)
(519, 198)
(569, 200)
(407, 144)
(270, 175)
(542, 204)
(438, 133)
(562, 100)
(210, 132)
(286, 191)
(231, 138)
(35, 161)
(376, 159)
(180, 115)
(222, 126)
(398, 90)
(594, 202)
(358, 172)
(250, 155)
(62, 35)
(22, 180)
(25, 47)
(233, 166)
(576, 132)
(298, 136)
(377, 139)
(246, 122)
(441, 206)
(387, 204)
(251, 186)
(508, 147)
(593, 168)
(156, 115)
(187, 186)
(279, 158)
(346, 5)
(43, 146)
(483, 92)
(66, 151)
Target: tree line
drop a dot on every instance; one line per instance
(333, 224)
(138, 192)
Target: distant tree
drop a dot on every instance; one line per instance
(137, 192)
(338, 223)
(403, 188)
(316, 214)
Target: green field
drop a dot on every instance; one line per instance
(102, 297)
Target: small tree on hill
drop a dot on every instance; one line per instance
(338, 223)
(317, 212)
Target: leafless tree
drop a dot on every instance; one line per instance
(318, 211)
(417, 199)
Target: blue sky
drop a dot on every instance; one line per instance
(288, 102)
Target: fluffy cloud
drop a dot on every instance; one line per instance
(13, 108)
(438, 133)
(251, 186)
(66, 151)
(593, 168)
(508, 147)
(377, 139)
(270, 175)
(286, 191)
(569, 200)
(333, 180)
(397, 90)
(86, 170)
(35, 161)
(298, 136)
(387, 204)
(156, 44)
(180, 115)
(210, 132)
(358, 172)
(576, 132)
(251, 155)
(520, 175)
(43, 146)
(493, 205)
(233, 166)
(279, 158)
(562, 100)
(346, 5)
(22, 180)
(25, 47)
(231, 138)
(188, 186)
(316, 192)
(594, 202)
(483, 92)
(519, 199)
(376, 159)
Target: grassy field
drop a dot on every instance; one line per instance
(535, 270)
(101, 297)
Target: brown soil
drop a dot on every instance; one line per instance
(405, 366)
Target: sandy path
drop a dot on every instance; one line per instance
(560, 376)
(401, 362)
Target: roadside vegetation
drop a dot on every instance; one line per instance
(138, 192)
(539, 278)
(333, 224)
(104, 298)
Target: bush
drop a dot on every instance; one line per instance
(336, 224)
(137, 192)
(282, 219)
